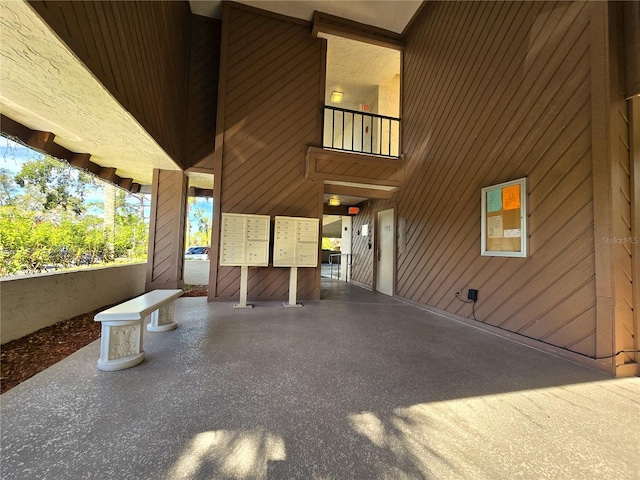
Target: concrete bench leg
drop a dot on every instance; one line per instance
(162, 319)
(121, 345)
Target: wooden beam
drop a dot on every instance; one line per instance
(325, 23)
(358, 191)
(349, 167)
(13, 129)
(43, 142)
(125, 183)
(59, 151)
(341, 210)
(200, 192)
(108, 174)
(80, 160)
(35, 139)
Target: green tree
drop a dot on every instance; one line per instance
(48, 224)
(8, 189)
(63, 186)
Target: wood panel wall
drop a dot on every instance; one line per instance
(139, 51)
(271, 93)
(202, 106)
(494, 92)
(362, 246)
(612, 184)
(165, 264)
(353, 168)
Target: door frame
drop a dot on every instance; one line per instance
(386, 206)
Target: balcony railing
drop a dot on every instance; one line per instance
(361, 132)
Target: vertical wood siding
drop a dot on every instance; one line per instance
(139, 51)
(494, 92)
(623, 224)
(621, 190)
(204, 72)
(273, 83)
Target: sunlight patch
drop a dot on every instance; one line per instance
(232, 454)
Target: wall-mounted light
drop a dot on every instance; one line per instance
(336, 96)
(334, 202)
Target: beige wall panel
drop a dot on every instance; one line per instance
(495, 92)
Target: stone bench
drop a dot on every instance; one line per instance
(123, 325)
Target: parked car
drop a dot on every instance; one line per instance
(197, 253)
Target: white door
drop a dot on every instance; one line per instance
(345, 247)
(384, 253)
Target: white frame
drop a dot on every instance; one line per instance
(524, 240)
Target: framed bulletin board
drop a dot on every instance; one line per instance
(504, 219)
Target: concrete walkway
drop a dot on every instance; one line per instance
(196, 272)
(356, 386)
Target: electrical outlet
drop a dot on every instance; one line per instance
(472, 295)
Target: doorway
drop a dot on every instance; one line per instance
(385, 251)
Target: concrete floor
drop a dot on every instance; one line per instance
(356, 386)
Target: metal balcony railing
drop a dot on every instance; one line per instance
(336, 259)
(361, 132)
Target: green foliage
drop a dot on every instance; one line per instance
(131, 237)
(328, 244)
(31, 245)
(8, 189)
(201, 236)
(46, 227)
(63, 186)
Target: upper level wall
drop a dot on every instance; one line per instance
(271, 94)
(493, 92)
(139, 51)
(202, 106)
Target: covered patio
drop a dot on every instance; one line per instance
(358, 385)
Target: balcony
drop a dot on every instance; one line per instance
(360, 150)
(361, 132)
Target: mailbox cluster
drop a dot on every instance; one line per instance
(296, 242)
(244, 242)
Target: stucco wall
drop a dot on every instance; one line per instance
(33, 302)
